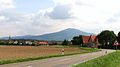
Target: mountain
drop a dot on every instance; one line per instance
(57, 36)
(18, 37)
(22, 37)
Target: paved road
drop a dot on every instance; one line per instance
(66, 61)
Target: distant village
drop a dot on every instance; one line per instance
(88, 41)
(28, 42)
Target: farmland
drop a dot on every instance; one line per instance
(18, 52)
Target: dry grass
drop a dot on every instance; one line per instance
(14, 52)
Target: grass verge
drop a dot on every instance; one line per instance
(110, 60)
(88, 50)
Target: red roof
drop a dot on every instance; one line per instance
(87, 38)
(43, 43)
(93, 38)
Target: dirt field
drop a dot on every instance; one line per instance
(13, 52)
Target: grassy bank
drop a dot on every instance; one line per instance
(110, 60)
(80, 50)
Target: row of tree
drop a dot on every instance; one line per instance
(77, 40)
(106, 39)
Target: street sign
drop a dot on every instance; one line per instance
(116, 43)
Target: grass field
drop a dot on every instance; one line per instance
(110, 60)
(11, 54)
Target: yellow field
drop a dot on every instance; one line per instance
(13, 52)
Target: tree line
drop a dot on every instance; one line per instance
(106, 39)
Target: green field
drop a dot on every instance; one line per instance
(110, 60)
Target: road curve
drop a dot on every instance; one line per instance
(65, 61)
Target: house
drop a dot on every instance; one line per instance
(41, 43)
(90, 41)
(29, 42)
(15, 42)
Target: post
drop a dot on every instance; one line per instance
(116, 48)
(63, 51)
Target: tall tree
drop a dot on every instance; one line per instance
(118, 38)
(65, 42)
(77, 40)
(106, 38)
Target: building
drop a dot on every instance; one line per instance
(29, 42)
(90, 41)
(41, 43)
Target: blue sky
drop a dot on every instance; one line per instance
(36, 17)
(32, 5)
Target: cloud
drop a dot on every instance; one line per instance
(13, 26)
(2, 18)
(87, 15)
(114, 18)
(6, 4)
(61, 12)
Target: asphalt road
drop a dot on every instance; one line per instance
(65, 61)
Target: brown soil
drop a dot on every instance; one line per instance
(12, 52)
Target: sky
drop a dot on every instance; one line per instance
(36, 17)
